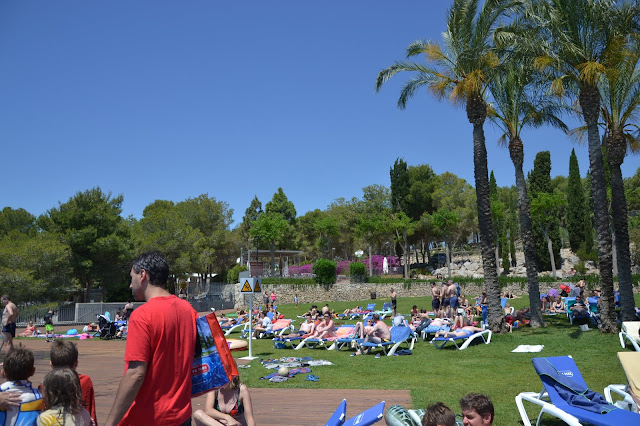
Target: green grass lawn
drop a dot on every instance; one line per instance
(447, 374)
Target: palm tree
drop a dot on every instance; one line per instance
(516, 105)
(620, 92)
(461, 72)
(580, 42)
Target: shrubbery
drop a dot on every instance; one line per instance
(325, 271)
(357, 269)
(232, 275)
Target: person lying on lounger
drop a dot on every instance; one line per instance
(465, 331)
(356, 310)
(378, 333)
(307, 327)
(361, 329)
(326, 328)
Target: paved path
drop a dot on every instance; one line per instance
(103, 362)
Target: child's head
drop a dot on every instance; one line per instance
(30, 323)
(64, 353)
(62, 389)
(18, 364)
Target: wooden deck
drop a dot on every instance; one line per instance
(103, 362)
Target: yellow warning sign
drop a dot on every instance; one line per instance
(246, 288)
(256, 288)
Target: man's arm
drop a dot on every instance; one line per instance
(127, 391)
(12, 310)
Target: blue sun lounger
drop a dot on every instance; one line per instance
(567, 397)
(339, 416)
(399, 335)
(368, 417)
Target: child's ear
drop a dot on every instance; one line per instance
(75, 365)
(51, 364)
(33, 371)
(4, 376)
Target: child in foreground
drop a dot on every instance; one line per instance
(64, 354)
(63, 400)
(17, 368)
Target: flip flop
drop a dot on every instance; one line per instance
(312, 378)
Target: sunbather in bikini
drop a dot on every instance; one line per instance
(378, 333)
(306, 328)
(465, 331)
(326, 328)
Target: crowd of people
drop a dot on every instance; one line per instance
(160, 336)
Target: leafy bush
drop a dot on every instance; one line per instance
(357, 269)
(232, 275)
(325, 271)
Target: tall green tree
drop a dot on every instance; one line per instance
(400, 185)
(545, 210)
(620, 92)
(461, 72)
(281, 204)
(91, 225)
(18, 219)
(575, 205)
(517, 105)
(272, 228)
(446, 221)
(540, 183)
(580, 41)
(251, 214)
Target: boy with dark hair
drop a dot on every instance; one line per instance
(17, 368)
(64, 354)
(439, 414)
(477, 410)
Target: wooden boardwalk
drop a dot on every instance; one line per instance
(103, 362)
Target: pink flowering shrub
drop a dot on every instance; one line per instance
(300, 269)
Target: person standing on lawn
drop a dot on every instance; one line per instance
(9, 317)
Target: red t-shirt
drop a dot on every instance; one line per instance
(88, 396)
(162, 333)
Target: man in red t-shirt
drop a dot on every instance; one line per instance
(156, 387)
(64, 354)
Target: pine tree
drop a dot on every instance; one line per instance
(540, 182)
(576, 219)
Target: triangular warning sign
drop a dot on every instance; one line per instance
(257, 288)
(246, 288)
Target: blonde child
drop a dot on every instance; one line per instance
(63, 400)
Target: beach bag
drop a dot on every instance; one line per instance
(213, 365)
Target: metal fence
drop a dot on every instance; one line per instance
(218, 296)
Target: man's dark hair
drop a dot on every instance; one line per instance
(480, 403)
(376, 317)
(18, 364)
(156, 266)
(64, 353)
(439, 414)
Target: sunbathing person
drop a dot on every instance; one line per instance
(355, 310)
(465, 331)
(557, 306)
(580, 314)
(378, 333)
(229, 405)
(306, 328)
(265, 326)
(30, 331)
(326, 328)
(361, 329)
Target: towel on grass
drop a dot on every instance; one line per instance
(528, 348)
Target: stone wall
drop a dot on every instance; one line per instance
(347, 291)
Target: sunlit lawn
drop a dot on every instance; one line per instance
(447, 374)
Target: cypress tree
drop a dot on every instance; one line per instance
(576, 219)
(540, 182)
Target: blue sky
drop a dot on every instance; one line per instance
(170, 100)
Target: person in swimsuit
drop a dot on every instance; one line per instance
(393, 302)
(435, 298)
(465, 331)
(230, 405)
(326, 328)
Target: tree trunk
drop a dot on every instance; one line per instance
(272, 248)
(497, 251)
(370, 263)
(476, 113)
(550, 248)
(406, 254)
(616, 150)
(589, 98)
(516, 150)
(447, 253)
(614, 254)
